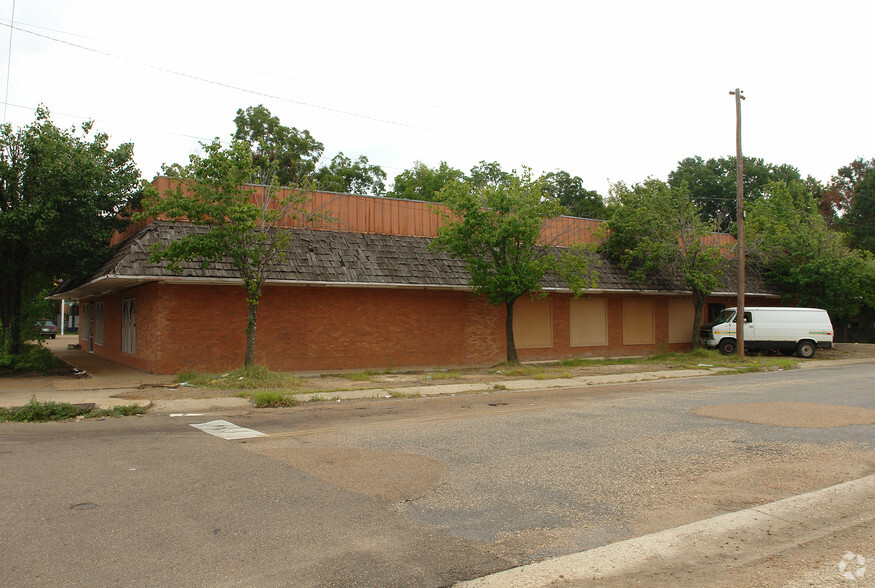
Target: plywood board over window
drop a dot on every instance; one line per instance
(533, 323)
(638, 321)
(589, 322)
(680, 320)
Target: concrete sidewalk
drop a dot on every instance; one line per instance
(708, 547)
(106, 380)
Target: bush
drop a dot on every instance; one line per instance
(33, 358)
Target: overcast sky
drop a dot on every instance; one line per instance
(607, 90)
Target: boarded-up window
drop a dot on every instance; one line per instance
(85, 322)
(129, 326)
(638, 325)
(533, 323)
(680, 321)
(589, 322)
(98, 323)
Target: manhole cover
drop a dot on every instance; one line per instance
(84, 506)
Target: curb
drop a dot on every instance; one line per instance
(734, 538)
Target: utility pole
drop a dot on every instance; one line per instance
(739, 197)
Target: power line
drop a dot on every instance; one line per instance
(213, 82)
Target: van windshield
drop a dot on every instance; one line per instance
(725, 316)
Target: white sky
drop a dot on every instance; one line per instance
(607, 90)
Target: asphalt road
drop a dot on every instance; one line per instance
(414, 492)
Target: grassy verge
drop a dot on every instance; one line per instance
(41, 412)
(251, 378)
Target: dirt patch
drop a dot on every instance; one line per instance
(387, 475)
(811, 415)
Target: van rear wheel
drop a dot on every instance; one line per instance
(806, 349)
(726, 346)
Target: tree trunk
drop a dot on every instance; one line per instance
(10, 313)
(512, 356)
(249, 356)
(699, 306)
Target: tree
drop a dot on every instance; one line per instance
(568, 190)
(421, 182)
(495, 228)
(277, 150)
(489, 174)
(657, 231)
(804, 257)
(242, 224)
(62, 194)
(849, 202)
(711, 184)
(351, 177)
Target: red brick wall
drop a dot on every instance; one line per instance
(191, 327)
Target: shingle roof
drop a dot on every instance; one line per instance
(333, 257)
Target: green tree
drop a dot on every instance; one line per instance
(62, 194)
(495, 229)
(657, 231)
(240, 224)
(849, 202)
(489, 174)
(421, 182)
(568, 190)
(277, 150)
(351, 177)
(712, 188)
(804, 257)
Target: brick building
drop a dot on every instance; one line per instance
(364, 291)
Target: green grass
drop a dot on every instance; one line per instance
(41, 412)
(441, 375)
(251, 378)
(270, 398)
(360, 376)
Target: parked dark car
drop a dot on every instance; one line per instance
(46, 328)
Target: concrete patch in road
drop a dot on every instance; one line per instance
(813, 415)
(227, 430)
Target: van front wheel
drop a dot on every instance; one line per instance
(726, 346)
(806, 349)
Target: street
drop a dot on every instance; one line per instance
(422, 491)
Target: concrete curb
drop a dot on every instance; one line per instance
(733, 538)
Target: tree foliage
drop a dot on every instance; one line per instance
(712, 184)
(495, 228)
(421, 182)
(242, 222)
(849, 202)
(806, 259)
(291, 157)
(277, 150)
(568, 190)
(62, 194)
(657, 231)
(344, 175)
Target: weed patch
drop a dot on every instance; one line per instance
(270, 398)
(42, 412)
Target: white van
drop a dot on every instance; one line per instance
(802, 330)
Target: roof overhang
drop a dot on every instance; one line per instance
(110, 284)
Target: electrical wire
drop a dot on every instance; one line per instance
(213, 82)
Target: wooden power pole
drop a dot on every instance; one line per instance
(739, 197)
